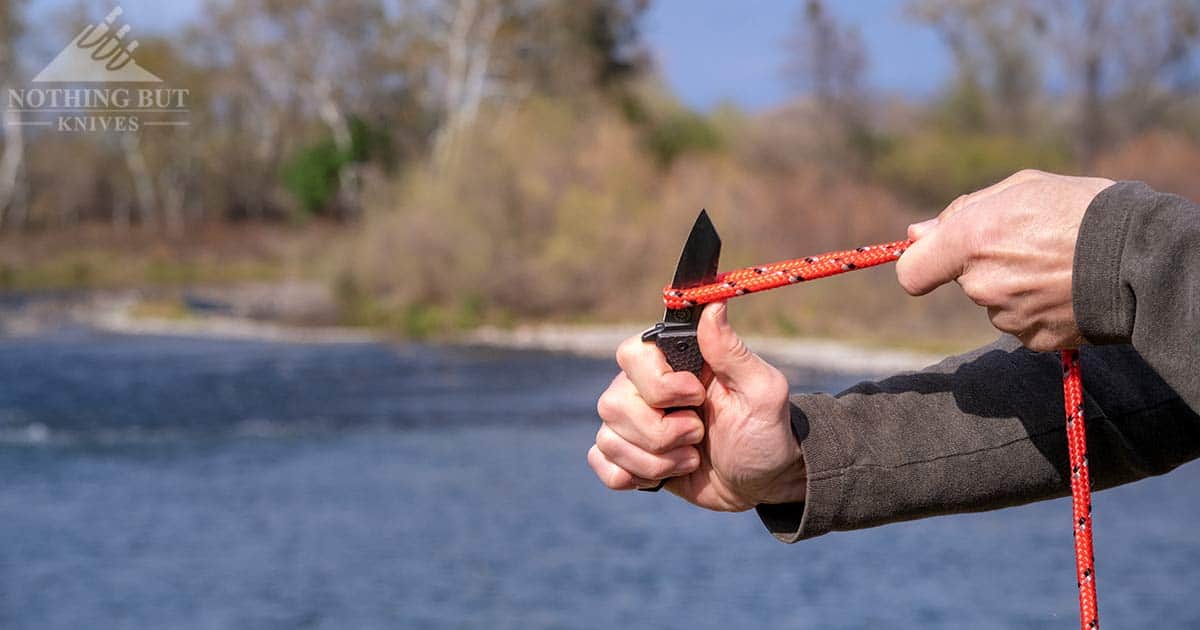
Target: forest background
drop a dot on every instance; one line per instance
(439, 165)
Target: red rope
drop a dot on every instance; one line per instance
(753, 279)
(780, 274)
(1081, 490)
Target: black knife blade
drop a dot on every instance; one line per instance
(675, 336)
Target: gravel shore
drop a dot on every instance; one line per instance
(246, 318)
(821, 354)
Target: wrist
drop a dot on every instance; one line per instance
(790, 484)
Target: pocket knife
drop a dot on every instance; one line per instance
(675, 335)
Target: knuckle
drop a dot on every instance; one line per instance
(661, 469)
(628, 351)
(616, 478)
(670, 390)
(606, 440)
(660, 440)
(738, 351)
(612, 404)
(1003, 321)
(1033, 339)
(982, 295)
(656, 398)
(956, 205)
(693, 432)
(605, 405)
(683, 391)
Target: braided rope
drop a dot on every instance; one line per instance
(754, 279)
(780, 274)
(1081, 495)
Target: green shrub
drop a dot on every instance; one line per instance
(937, 167)
(682, 132)
(313, 173)
(311, 176)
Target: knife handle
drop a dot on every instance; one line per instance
(679, 345)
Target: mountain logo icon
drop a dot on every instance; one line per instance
(99, 54)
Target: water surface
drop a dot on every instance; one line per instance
(193, 483)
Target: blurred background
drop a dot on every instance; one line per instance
(286, 363)
(428, 167)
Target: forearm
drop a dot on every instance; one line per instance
(977, 432)
(1137, 280)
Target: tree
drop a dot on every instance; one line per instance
(827, 60)
(1127, 59)
(996, 48)
(467, 51)
(501, 50)
(13, 157)
(285, 63)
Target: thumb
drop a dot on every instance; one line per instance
(932, 260)
(918, 231)
(731, 362)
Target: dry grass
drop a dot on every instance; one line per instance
(99, 257)
(554, 217)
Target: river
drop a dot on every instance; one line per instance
(168, 482)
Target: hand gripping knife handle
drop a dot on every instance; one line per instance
(675, 336)
(678, 343)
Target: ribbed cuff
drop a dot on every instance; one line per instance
(825, 461)
(1104, 311)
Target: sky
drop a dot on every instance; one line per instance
(714, 51)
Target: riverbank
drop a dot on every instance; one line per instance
(601, 341)
(303, 313)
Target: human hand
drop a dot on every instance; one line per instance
(1012, 248)
(737, 452)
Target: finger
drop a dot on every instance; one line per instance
(731, 362)
(613, 476)
(640, 463)
(1003, 320)
(918, 231)
(937, 258)
(954, 207)
(624, 410)
(657, 384)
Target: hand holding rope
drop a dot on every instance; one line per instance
(762, 278)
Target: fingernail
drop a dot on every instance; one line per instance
(719, 313)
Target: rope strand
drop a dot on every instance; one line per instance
(754, 279)
(1081, 490)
